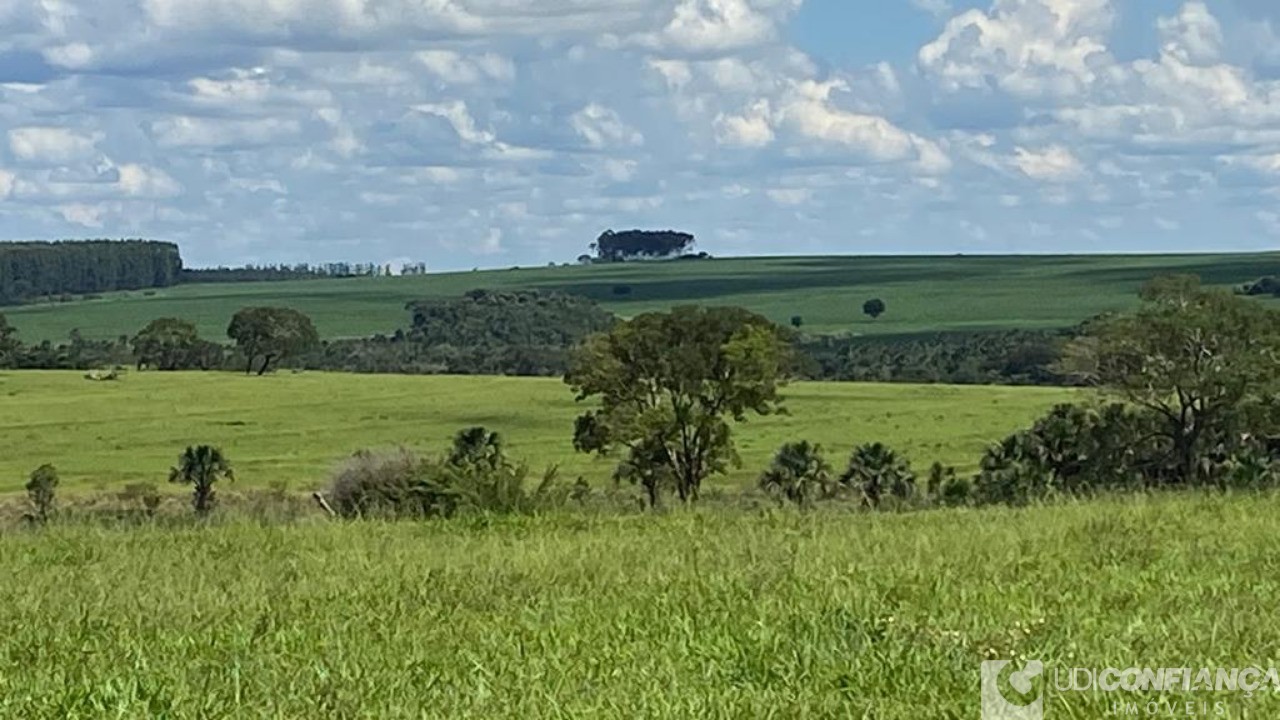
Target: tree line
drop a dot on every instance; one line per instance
(298, 271)
(533, 333)
(31, 270)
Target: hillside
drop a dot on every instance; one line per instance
(923, 293)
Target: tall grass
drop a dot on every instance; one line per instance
(692, 614)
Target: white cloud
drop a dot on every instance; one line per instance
(455, 68)
(718, 26)
(1193, 37)
(809, 112)
(602, 127)
(141, 181)
(200, 132)
(753, 128)
(89, 216)
(459, 117)
(790, 196)
(1029, 48)
(51, 145)
(1051, 164)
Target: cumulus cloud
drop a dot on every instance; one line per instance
(442, 130)
(1052, 164)
(50, 145)
(602, 127)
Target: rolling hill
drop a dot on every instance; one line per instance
(923, 294)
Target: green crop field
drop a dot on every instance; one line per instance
(293, 428)
(922, 293)
(688, 615)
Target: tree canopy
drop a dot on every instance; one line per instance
(1199, 360)
(271, 333)
(636, 244)
(170, 344)
(668, 386)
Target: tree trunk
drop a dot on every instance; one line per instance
(266, 363)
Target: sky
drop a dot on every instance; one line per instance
(492, 133)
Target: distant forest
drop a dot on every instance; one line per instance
(31, 270)
(35, 271)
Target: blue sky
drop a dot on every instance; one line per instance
(467, 133)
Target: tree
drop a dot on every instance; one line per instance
(799, 473)
(1195, 358)
(797, 322)
(10, 347)
(632, 244)
(875, 470)
(166, 344)
(40, 490)
(669, 384)
(873, 308)
(271, 333)
(202, 467)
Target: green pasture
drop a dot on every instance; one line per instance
(923, 294)
(294, 428)
(707, 615)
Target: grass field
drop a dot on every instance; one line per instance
(922, 293)
(294, 428)
(689, 615)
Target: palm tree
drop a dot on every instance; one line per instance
(875, 469)
(477, 446)
(798, 473)
(202, 466)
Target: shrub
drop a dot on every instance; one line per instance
(797, 321)
(474, 476)
(41, 489)
(145, 494)
(384, 484)
(799, 473)
(876, 471)
(874, 308)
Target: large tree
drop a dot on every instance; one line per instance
(271, 333)
(1199, 360)
(167, 344)
(670, 383)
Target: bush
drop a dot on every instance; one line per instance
(798, 474)
(475, 476)
(145, 494)
(41, 489)
(875, 471)
(385, 484)
(621, 290)
(797, 321)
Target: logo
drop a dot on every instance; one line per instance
(1021, 700)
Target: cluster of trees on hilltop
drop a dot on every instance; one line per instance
(640, 245)
(32, 270)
